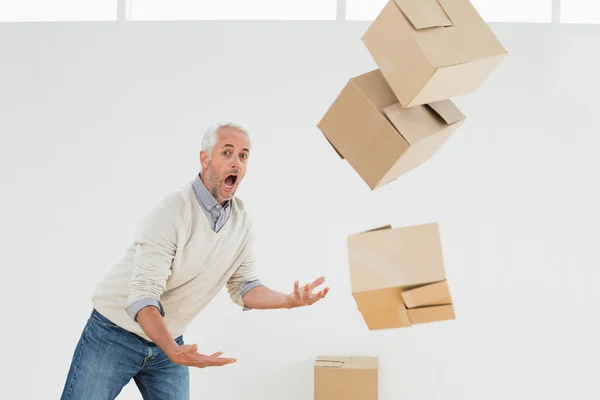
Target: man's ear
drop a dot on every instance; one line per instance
(204, 159)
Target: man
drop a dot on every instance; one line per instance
(196, 241)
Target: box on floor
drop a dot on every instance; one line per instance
(346, 378)
(380, 139)
(398, 277)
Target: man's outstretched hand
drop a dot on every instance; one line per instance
(188, 355)
(304, 296)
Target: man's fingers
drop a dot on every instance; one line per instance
(297, 289)
(306, 293)
(214, 360)
(317, 282)
(216, 357)
(189, 348)
(221, 361)
(304, 296)
(318, 297)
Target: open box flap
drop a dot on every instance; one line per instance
(447, 110)
(358, 362)
(431, 294)
(424, 14)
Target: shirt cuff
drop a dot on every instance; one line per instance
(137, 305)
(247, 286)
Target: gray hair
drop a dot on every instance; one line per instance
(210, 136)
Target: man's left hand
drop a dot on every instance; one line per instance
(304, 296)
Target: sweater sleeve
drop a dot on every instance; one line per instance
(245, 277)
(155, 245)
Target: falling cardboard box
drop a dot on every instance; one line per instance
(346, 378)
(432, 50)
(398, 277)
(379, 138)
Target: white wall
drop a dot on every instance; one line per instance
(99, 120)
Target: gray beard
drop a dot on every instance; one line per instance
(214, 184)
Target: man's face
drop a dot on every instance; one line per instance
(224, 169)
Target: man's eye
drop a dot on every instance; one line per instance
(244, 155)
(225, 152)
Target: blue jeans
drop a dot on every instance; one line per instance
(107, 357)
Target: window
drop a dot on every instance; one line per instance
(234, 9)
(580, 11)
(490, 10)
(361, 10)
(57, 10)
(514, 10)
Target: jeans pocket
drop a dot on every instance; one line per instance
(101, 319)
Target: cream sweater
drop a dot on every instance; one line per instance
(176, 258)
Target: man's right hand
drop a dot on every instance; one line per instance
(153, 324)
(188, 355)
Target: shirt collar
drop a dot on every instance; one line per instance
(207, 200)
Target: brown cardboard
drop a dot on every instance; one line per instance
(424, 315)
(398, 277)
(433, 294)
(379, 138)
(382, 308)
(346, 378)
(431, 50)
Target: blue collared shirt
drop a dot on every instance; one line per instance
(217, 215)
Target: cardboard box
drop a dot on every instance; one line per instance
(398, 277)
(431, 50)
(379, 138)
(346, 378)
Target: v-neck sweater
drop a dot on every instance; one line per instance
(175, 257)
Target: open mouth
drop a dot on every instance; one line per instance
(230, 181)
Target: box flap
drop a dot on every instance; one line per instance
(375, 88)
(433, 294)
(329, 364)
(424, 14)
(447, 110)
(423, 315)
(356, 362)
(470, 39)
(421, 122)
(382, 308)
(331, 361)
(379, 228)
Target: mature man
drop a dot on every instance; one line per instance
(196, 241)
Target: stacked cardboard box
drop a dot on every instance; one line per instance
(389, 121)
(379, 138)
(346, 378)
(398, 277)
